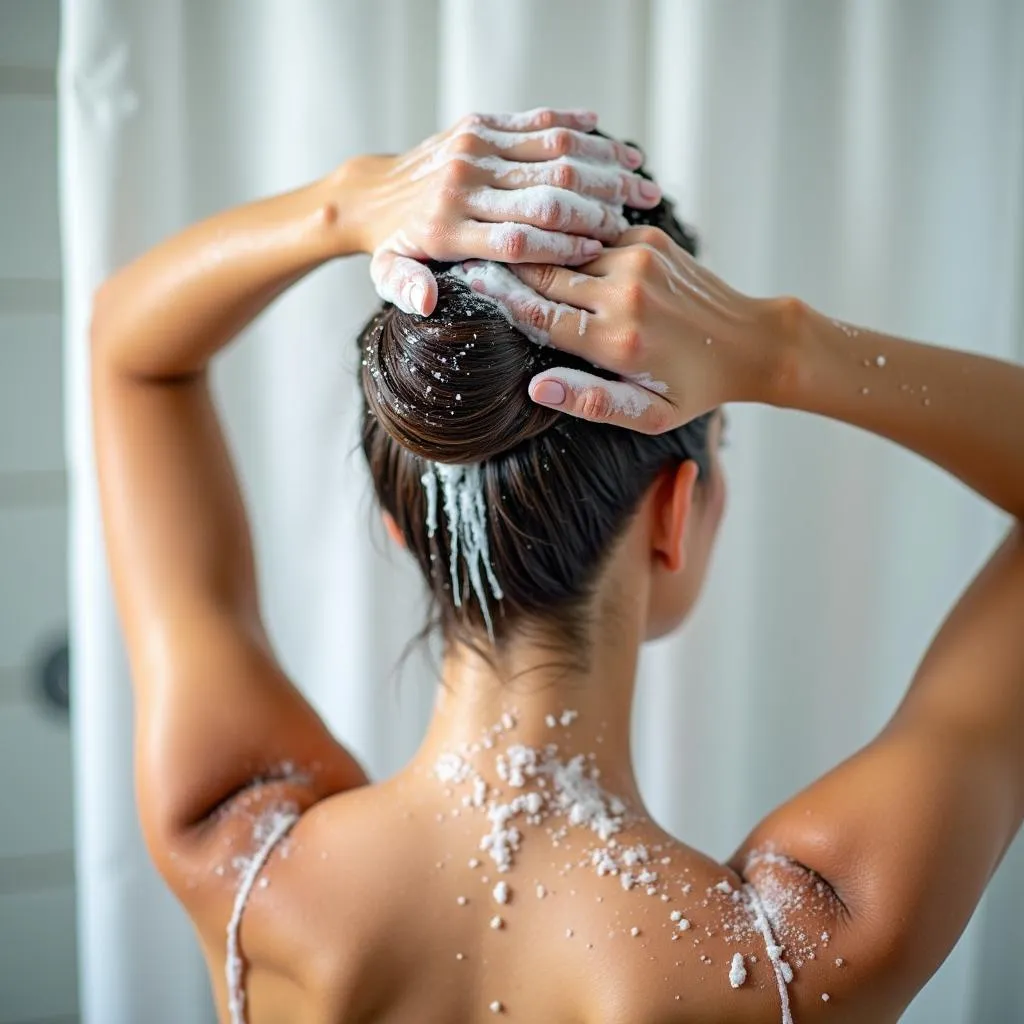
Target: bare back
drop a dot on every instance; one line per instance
(380, 905)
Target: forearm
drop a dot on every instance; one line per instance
(167, 313)
(963, 412)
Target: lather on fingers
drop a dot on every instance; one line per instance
(550, 208)
(537, 119)
(579, 288)
(621, 403)
(541, 320)
(610, 183)
(404, 281)
(553, 142)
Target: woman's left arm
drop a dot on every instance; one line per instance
(215, 713)
(213, 709)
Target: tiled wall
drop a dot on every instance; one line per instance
(37, 927)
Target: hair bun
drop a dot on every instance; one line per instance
(452, 387)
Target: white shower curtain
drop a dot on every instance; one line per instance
(867, 156)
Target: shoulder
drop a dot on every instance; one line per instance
(742, 946)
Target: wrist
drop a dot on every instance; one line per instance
(353, 190)
(782, 342)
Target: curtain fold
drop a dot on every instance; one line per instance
(867, 156)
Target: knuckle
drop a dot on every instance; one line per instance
(546, 118)
(641, 263)
(595, 404)
(466, 143)
(633, 297)
(564, 175)
(457, 173)
(545, 276)
(535, 315)
(656, 238)
(513, 245)
(630, 347)
(550, 214)
(562, 141)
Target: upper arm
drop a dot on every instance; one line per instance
(909, 830)
(214, 710)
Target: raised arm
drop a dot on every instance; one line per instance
(215, 713)
(909, 830)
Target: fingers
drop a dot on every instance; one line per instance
(542, 321)
(403, 281)
(547, 144)
(537, 120)
(550, 208)
(620, 403)
(570, 287)
(608, 182)
(523, 243)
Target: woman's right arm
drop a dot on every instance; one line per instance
(909, 830)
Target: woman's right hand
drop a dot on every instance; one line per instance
(517, 188)
(680, 338)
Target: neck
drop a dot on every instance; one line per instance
(534, 698)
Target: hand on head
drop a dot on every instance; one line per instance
(517, 188)
(681, 339)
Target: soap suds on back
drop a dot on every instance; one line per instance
(545, 791)
(737, 971)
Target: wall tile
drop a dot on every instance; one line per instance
(29, 234)
(29, 32)
(31, 415)
(33, 571)
(38, 974)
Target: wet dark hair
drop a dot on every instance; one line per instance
(559, 491)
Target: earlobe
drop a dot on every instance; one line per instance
(393, 531)
(677, 503)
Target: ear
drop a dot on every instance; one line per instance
(392, 527)
(673, 502)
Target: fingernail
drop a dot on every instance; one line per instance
(592, 247)
(587, 117)
(650, 189)
(418, 296)
(634, 156)
(548, 392)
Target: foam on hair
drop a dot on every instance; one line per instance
(551, 494)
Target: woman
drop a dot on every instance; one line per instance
(510, 868)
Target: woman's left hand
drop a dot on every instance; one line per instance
(517, 188)
(681, 340)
